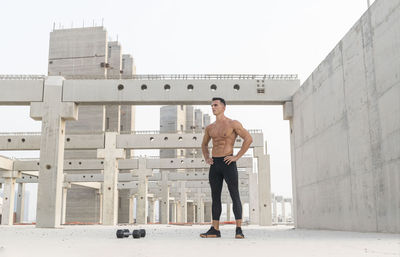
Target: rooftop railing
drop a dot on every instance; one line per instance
(191, 77)
(164, 77)
(22, 77)
(137, 132)
(20, 133)
(251, 131)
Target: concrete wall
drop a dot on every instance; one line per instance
(83, 205)
(90, 118)
(189, 117)
(78, 51)
(168, 123)
(114, 58)
(198, 120)
(206, 120)
(128, 65)
(346, 129)
(123, 205)
(128, 123)
(172, 119)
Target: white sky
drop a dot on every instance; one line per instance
(185, 36)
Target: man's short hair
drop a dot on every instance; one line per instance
(220, 99)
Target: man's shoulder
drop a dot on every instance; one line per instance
(235, 123)
(209, 126)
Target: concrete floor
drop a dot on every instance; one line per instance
(172, 240)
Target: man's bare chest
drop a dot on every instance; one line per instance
(221, 131)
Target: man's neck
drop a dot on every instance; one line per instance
(220, 117)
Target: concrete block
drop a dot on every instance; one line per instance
(288, 110)
(6, 164)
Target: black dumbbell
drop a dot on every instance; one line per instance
(138, 233)
(121, 233)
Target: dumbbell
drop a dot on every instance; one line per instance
(121, 233)
(138, 233)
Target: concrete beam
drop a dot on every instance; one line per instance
(156, 89)
(6, 163)
(31, 141)
(94, 185)
(128, 177)
(261, 89)
(175, 141)
(129, 164)
(190, 163)
(157, 187)
(21, 90)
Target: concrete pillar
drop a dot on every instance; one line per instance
(141, 204)
(207, 212)
(53, 113)
(291, 208)
(131, 209)
(164, 203)
(283, 210)
(289, 105)
(8, 200)
(173, 212)
(194, 207)
(191, 210)
(159, 210)
(182, 217)
(275, 211)
(110, 154)
(152, 208)
(65, 188)
(200, 208)
(100, 195)
(228, 211)
(278, 199)
(264, 187)
(20, 203)
(254, 212)
(178, 212)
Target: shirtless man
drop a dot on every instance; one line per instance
(223, 133)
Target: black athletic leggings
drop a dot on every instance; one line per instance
(218, 172)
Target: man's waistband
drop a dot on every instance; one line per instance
(220, 158)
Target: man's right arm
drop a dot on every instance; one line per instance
(204, 147)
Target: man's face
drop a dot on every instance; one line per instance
(217, 107)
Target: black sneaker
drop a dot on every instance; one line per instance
(239, 233)
(211, 233)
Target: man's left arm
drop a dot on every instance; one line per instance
(247, 140)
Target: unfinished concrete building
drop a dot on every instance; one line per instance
(344, 129)
(87, 52)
